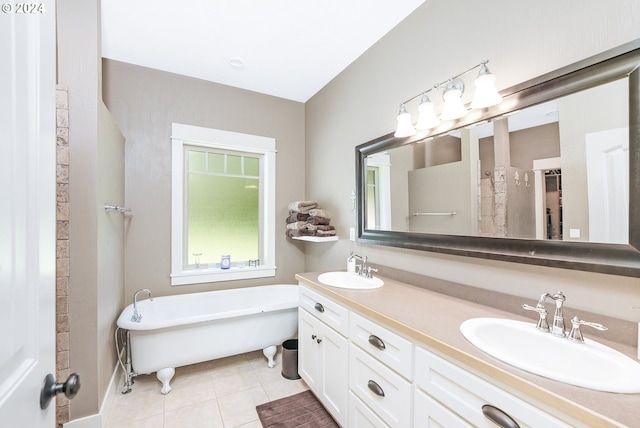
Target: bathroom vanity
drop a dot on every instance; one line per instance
(394, 357)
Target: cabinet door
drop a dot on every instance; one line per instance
(334, 372)
(308, 354)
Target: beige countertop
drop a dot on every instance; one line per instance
(433, 319)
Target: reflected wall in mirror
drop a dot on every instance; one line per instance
(547, 177)
(557, 170)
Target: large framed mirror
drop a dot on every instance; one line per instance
(550, 176)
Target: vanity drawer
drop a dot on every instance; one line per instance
(428, 413)
(380, 388)
(391, 349)
(330, 312)
(361, 416)
(465, 394)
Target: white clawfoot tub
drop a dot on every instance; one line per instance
(190, 328)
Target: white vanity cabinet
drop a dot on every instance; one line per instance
(323, 351)
(369, 375)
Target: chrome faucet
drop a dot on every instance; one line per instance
(136, 317)
(558, 319)
(542, 324)
(363, 269)
(575, 335)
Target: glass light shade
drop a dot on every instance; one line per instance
(486, 93)
(453, 106)
(427, 118)
(405, 127)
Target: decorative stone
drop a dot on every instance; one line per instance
(62, 192)
(62, 230)
(62, 118)
(62, 267)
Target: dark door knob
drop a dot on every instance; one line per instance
(50, 388)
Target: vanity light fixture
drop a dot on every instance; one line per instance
(405, 127)
(486, 95)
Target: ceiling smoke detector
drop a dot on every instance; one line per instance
(236, 63)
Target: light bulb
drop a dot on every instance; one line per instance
(405, 127)
(453, 106)
(427, 118)
(486, 93)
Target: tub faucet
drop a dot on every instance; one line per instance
(136, 317)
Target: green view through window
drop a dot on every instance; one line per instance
(222, 198)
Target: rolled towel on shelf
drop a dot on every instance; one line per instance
(320, 232)
(299, 225)
(299, 232)
(318, 220)
(294, 217)
(324, 227)
(319, 212)
(302, 206)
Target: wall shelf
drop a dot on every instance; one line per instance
(316, 238)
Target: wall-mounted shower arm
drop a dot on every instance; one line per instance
(109, 208)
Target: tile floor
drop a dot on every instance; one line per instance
(222, 393)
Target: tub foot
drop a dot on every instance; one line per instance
(270, 352)
(165, 375)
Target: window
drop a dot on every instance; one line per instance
(223, 194)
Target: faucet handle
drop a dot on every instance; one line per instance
(369, 270)
(542, 324)
(575, 335)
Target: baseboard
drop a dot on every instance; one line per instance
(93, 421)
(96, 421)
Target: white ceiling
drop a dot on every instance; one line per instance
(289, 48)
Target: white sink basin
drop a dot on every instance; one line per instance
(349, 280)
(590, 364)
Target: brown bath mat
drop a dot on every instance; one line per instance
(300, 410)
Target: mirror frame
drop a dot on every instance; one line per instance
(617, 259)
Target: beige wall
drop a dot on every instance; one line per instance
(441, 38)
(95, 173)
(144, 103)
(110, 233)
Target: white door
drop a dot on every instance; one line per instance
(608, 184)
(27, 211)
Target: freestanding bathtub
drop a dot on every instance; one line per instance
(190, 328)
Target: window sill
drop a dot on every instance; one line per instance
(218, 275)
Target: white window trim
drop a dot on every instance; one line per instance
(182, 135)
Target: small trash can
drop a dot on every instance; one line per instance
(290, 359)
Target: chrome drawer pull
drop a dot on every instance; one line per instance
(499, 417)
(375, 388)
(377, 342)
(319, 307)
